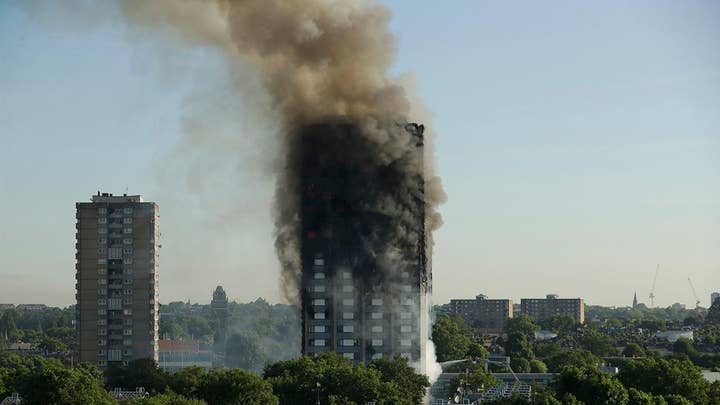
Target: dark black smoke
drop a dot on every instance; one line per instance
(325, 66)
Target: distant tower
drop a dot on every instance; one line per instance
(635, 303)
(219, 306)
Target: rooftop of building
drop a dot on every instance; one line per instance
(109, 198)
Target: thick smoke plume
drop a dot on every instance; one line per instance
(323, 62)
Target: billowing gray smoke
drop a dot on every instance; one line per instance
(325, 65)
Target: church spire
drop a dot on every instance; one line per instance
(635, 303)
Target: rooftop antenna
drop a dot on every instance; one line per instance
(652, 292)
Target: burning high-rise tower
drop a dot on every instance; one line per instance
(364, 271)
(356, 191)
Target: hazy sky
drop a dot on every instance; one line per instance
(578, 142)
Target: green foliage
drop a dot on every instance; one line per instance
(476, 380)
(451, 338)
(518, 347)
(562, 325)
(596, 342)
(138, 373)
(546, 350)
(272, 332)
(477, 351)
(675, 399)
(523, 324)
(685, 348)
(397, 371)
(637, 397)
(221, 386)
(537, 366)
(666, 377)
(8, 327)
(545, 398)
(591, 386)
(573, 358)
(169, 398)
(235, 387)
(244, 352)
(47, 381)
(709, 334)
(296, 381)
(520, 364)
(633, 350)
(52, 345)
(713, 314)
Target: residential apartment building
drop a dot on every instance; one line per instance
(351, 303)
(465, 309)
(492, 314)
(713, 296)
(117, 279)
(483, 314)
(551, 306)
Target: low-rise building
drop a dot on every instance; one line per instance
(552, 306)
(177, 354)
(31, 307)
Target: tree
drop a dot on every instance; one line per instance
(576, 358)
(169, 398)
(52, 345)
(187, 381)
(235, 387)
(563, 325)
(537, 366)
(477, 351)
(7, 326)
(451, 338)
(637, 397)
(596, 342)
(47, 381)
(591, 386)
(411, 384)
(517, 346)
(523, 324)
(520, 364)
(713, 314)
(302, 380)
(666, 377)
(545, 350)
(243, 351)
(138, 373)
(475, 381)
(633, 350)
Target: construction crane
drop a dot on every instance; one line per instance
(697, 301)
(652, 291)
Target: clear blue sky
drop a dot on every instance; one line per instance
(579, 145)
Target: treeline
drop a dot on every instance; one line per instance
(50, 328)
(575, 355)
(329, 378)
(259, 333)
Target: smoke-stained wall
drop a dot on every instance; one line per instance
(362, 223)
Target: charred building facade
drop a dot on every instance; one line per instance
(364, 272)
